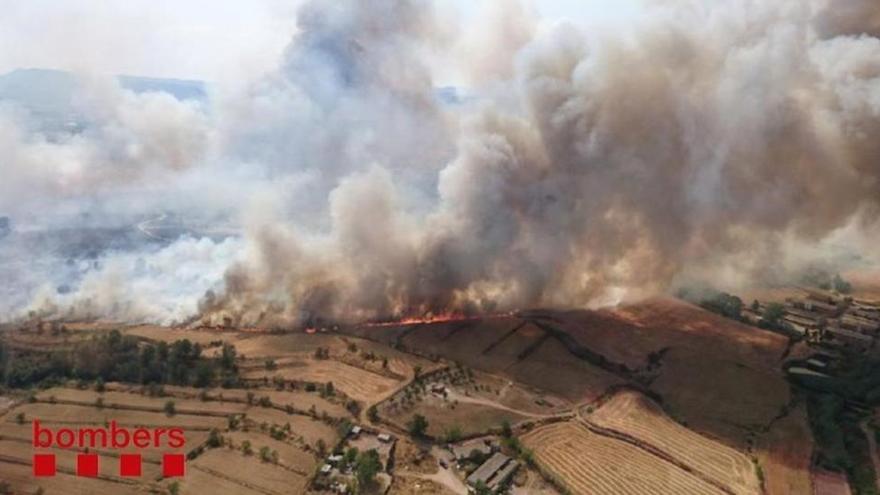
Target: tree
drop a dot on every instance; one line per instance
(246, 447)
(351, 455)
(170, 410)
(418, 425)
(99, 384)
(174, 488)
(373, 414)
(265, 454)
(368, 466)
(481, 489)
(452, 434)
(841, 285)
(214, 439)
(773, 315)
(506, 430)
(321, 447)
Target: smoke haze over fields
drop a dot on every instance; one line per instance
(727, 142)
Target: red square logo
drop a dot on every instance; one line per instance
(44, 464)
(87, 465)
(172, 465)
(130, 465)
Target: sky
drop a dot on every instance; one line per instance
(197, 39)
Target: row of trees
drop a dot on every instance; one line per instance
(115, 357)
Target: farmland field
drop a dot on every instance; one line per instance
(310, 429)
(635, 415)
(247, 471)
(591, 464)
(68, 414)
(354, 382)
(22, 479)
(469, 418)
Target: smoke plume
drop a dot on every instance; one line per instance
(716, 141)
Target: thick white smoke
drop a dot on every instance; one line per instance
(714, 142)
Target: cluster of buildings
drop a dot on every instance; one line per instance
(495, 470)
(341, 475)
(834, 319)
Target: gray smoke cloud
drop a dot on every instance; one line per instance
(719, 142)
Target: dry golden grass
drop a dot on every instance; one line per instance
(591, 464)
(108, 464)
(166, 334)
(354, 382)
(136, 400)
(442, 416)
(246, 471)
(289, 455)
(22, 481)
(311, 430)
(637, 416)
(85, 415)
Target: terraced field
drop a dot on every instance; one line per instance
(637, 416)
(248, 472)
(21, 477)
(354, 382)
(591, 464)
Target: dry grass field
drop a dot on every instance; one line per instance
(638, 417)
(22, 480)
(108, 467)
(166, 334)
(248, 472)
(591, 464)
(289, 455)
(442, 417)
(785, 454)
(112, 399)
(311, 430)
(56, 414)
(354, 382)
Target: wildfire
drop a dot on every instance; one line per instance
(423, 320)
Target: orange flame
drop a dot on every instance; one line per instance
(423, 320)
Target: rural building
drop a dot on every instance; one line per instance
(384, 438)
(464, 450)
(849, 338)
(326, 468)
(356, 430)
(334, 459)
(494, 472)
(858, 324)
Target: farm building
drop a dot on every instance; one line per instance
(464, 450)
(849, 338)
(494, 472)
(858, 324)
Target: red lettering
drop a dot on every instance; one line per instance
(141, 438)
(65, 432)
(120, 436)
(157, 437)
(88, 437)
(176, 438)
(39, 442)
